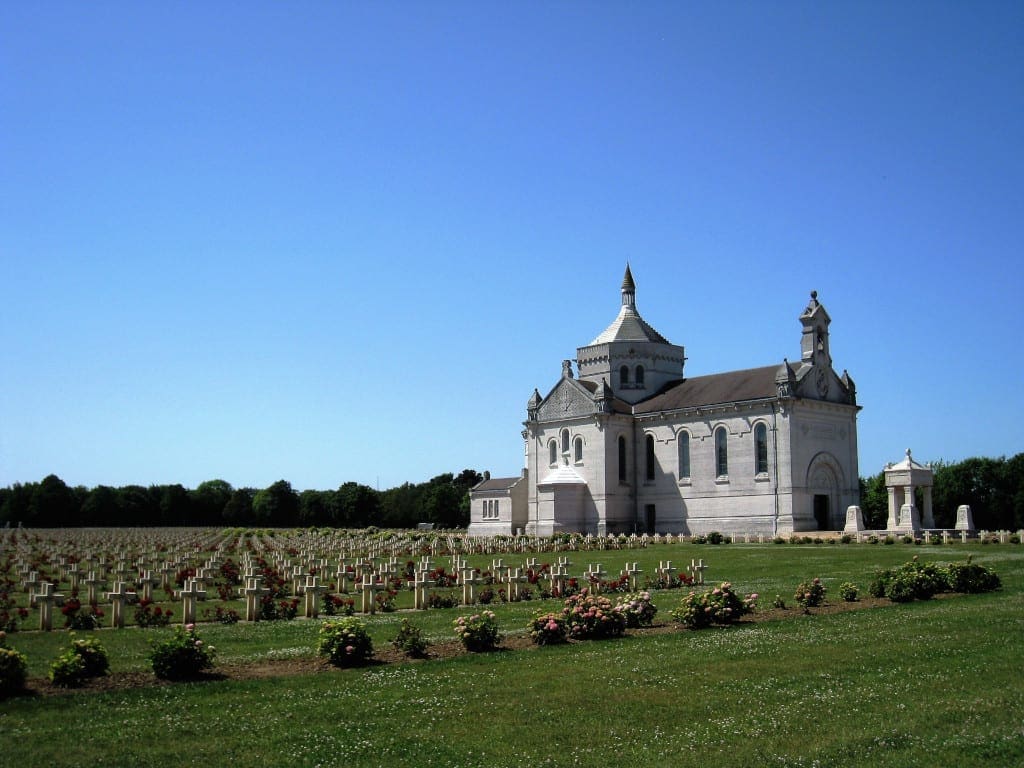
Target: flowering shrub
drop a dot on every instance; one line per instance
(68, 670)
(222, 615)
(778, 602)
(74, 618)
(971, 578)
(663, 581)
(548, 628)
(592, 617)
(182, 656)
(810, 594)
(336, 605)
(149, 615)
(280, 610)
(92, 653)
(385, 600)
(848, 592)
(436, 600)
(638, 609)
(13, 668)
(410, 640)
(913, 580)
(719, 606)
(10, 613)
(442, 579)
(345, 643)
(84, 659)
(478, 632)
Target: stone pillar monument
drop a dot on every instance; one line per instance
(900, 481)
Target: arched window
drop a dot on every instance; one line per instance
(577, 452)
(565, 441)
(649, 452)
(761, 449)
(552, 453)
(684, 454)
(624, 376)
(622, 459)
(721, 452)
(639, 376)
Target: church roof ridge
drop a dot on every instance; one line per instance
(713, 389)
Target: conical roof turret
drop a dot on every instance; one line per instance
(629, 326)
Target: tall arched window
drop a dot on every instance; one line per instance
(565, 441)
(622, 459)
(684, 454)
(761, 449)
(721, 452)
(624, 375)
(639, 376)
(649, 452)
(577, 450)
(552, 452)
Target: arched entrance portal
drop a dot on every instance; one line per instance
(823, 482)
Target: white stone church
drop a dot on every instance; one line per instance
(631, 444)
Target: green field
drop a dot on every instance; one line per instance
(923, 684)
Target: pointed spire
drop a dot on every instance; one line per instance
(628, 289)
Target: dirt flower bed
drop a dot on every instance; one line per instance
(386, 655)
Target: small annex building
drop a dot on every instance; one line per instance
(629, 444)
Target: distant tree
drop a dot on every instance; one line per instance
(441, 505)
(100, 507)
(175, 505)
(315, 507)
(356, 506)
(993, 488)
(466, 480)
(277, 504)
(238, 510)
(53, 504)
(17, 505)
(135, 506)
(209, 499)
(874, 501)
(400, 506)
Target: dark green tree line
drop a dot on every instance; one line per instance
(443, 500)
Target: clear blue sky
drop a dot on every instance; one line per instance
(344, 241)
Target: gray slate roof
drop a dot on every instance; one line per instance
(629, 326)
(731, 387)
(497, 484)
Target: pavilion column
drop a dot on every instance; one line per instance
(927, 519)
(894, 512)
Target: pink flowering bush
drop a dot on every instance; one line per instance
(345, 643)
(478, 632)
(810, 594)
(638, 609)
(719, 606)
(183, 656)
(548, 628)
(592, 617)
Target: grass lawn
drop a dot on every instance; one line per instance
(923, 684)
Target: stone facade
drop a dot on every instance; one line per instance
(632, 445)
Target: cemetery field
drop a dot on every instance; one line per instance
(930, 683)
